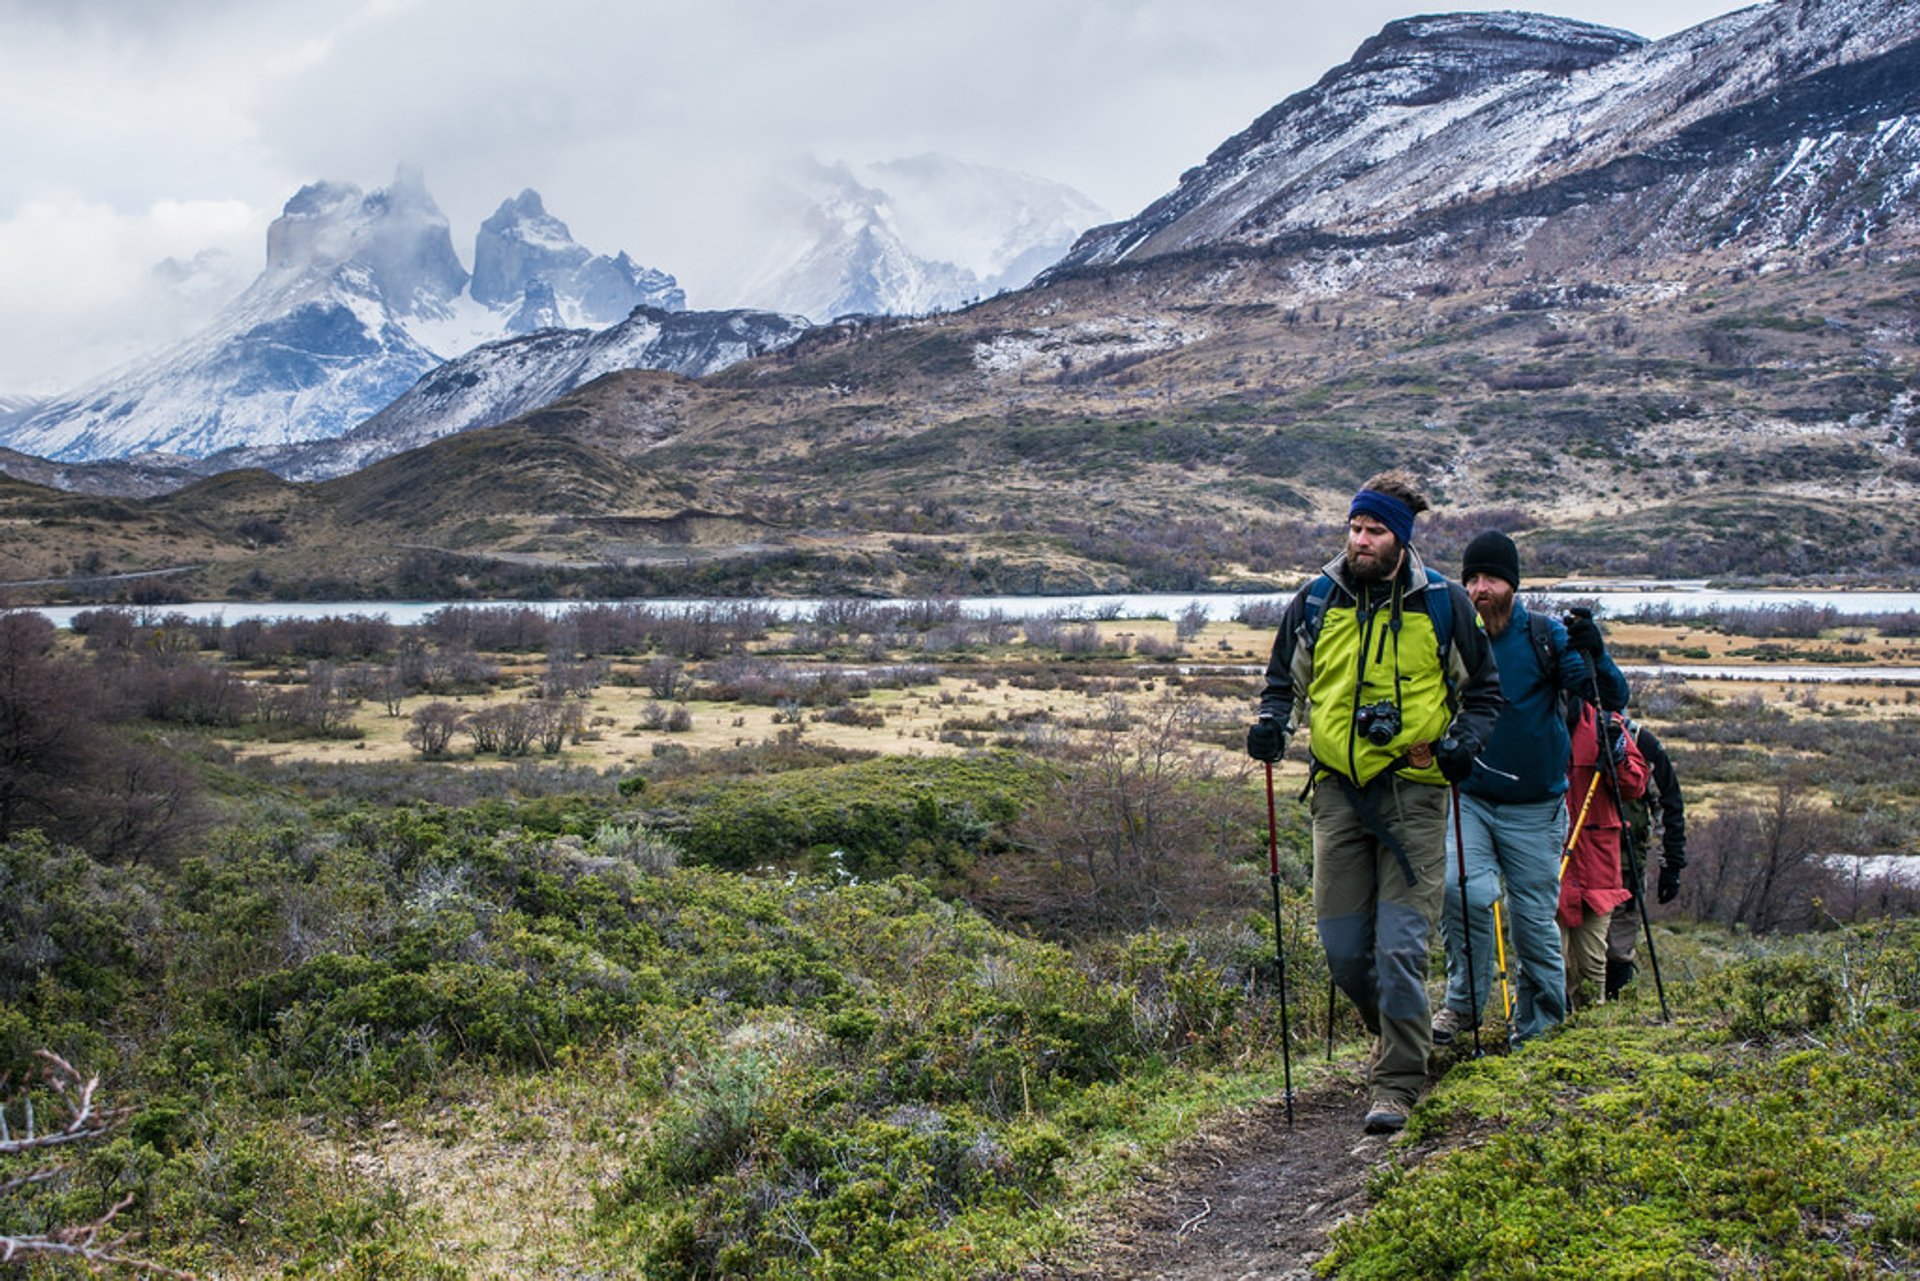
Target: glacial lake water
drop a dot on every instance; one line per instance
(1610, 599)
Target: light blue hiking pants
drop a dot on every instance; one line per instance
(1518, 844)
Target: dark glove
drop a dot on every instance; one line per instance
(1455, 759)
(1266, 739)
(1583, 634)
(1669, 883)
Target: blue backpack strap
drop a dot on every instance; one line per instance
(1440, 610)
(1318, 593)
(1540, 632)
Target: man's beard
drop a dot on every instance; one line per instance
(1495, 613)
(1370, 569)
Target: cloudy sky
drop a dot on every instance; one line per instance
(137, 133)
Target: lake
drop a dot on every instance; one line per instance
(1611, 598)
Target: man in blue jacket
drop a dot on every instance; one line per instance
(1512, 817)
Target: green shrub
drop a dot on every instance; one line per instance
(885, 815)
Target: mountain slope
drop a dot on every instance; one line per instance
(1437, 118)
(1692, 350)
(504, 379)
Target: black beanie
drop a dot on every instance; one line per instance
(1492, 553)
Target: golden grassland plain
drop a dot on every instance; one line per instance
(1216, 672)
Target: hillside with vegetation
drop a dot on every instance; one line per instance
(1738, 425)
(881, 942)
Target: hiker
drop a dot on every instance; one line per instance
(1623, 935)
(1511, 819)
(1590, 884)
(1382, 660)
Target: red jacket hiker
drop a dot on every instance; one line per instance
(1592, 882)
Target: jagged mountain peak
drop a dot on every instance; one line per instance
(362, 293)
(526, 259)
(395, 235)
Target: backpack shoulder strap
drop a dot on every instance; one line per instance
(1440, 610)
(1540, 632)
(1319, 591)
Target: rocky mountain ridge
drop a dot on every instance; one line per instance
(501, 380)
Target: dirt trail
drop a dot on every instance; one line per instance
(1250, 1201)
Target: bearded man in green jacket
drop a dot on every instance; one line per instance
(1384, 662)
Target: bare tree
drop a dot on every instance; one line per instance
(1138, 830)
(1760, 867)
(433, 728)
(47, 724)
(664, 677)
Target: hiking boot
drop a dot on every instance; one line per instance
(1386, 1116)
(1449, 1023)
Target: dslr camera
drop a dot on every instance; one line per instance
(1378, 723)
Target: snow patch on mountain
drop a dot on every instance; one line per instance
(1063, 349)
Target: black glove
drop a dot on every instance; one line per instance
(1583, 634)
(1266, 739)
(1454, 758)
(1669, 883)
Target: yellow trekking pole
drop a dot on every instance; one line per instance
(1500, 955)
(1573, 837)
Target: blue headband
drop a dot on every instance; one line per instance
(1388, 510)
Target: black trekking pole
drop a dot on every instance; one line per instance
(1634, 868)
(1466, 924)
(1279, 944)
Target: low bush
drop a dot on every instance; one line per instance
(883, 815)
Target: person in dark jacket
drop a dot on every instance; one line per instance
(1512, 820)
(1663, 793)
(1385, 664)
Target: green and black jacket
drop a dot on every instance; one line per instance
(1383, 646)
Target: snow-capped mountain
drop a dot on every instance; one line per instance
(503, 379)
(1452, 116)
(361, 295)
(904, 237)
